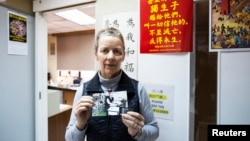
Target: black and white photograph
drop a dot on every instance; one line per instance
(110, 103)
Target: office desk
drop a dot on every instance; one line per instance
(68, 93)
(57, 123)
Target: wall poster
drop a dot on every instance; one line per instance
(230, 25)
(162, 100)
(127, 23)
(17, 34)
(166, 26)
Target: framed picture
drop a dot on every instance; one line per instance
(52, 49)
(229, 25)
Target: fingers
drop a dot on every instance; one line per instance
(135, 125)
(137, 120)
(136, 115)
(86, 101)
(84, 104)
(133, 120)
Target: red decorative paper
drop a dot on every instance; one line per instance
(166, 26)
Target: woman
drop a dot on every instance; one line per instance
(138, 123)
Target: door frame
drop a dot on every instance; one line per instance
(41, 52)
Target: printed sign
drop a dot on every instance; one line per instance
(162, 100)
(17, 43)
(166, 26)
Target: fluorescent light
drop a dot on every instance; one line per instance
(76, 16)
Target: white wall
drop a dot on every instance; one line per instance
(171, 70)
(17, 85)
(234, 88)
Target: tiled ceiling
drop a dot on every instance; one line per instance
(57, 25)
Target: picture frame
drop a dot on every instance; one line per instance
(52, 49)
(229, 28)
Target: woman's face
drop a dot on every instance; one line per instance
(110, 55)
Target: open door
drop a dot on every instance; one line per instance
(41, 78)
(41, 52)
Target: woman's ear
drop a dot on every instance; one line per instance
(123, 56)
(96, 57)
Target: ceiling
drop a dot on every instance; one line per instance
(57, 25)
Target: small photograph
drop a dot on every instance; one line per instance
(110, 103)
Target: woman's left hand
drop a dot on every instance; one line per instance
(134, 121)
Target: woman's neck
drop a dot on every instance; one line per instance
(109, 83)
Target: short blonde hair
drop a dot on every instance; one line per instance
(110, 31)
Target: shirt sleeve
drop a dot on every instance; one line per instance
(72, 132)
(150, 131)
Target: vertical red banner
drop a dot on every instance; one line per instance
(166, 26)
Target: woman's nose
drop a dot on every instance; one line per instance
(110, 54)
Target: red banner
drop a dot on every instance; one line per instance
(166, 26)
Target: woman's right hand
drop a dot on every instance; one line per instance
(82, 111)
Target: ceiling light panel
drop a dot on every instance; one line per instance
(76, 16)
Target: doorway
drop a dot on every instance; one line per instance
(66, 44)
(205, 74)
(42, 63)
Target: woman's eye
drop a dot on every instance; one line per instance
(117, 52)
(105, 51)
